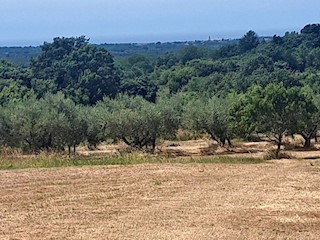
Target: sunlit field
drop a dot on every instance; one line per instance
(230, 196)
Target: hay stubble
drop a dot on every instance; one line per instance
(278, 200)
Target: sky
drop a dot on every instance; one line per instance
(31, 22)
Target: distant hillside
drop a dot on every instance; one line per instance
(19, 55)
(22, 55)
(158, 49)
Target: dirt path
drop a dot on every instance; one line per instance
(279, 200)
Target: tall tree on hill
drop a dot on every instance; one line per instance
(249, 41)
(82, 71)
(312, 34)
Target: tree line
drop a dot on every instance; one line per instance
(56, 122)
(75, 92)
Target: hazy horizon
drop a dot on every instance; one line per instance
(151, 38)
(139, 21)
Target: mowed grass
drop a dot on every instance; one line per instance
(274, 200)
(143, 196)
(50, 161)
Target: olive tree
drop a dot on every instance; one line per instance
(70, 126)
(137, 122)
(27, 125)
(274, 110)
(211, 117)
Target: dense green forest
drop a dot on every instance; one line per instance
(22, 55)
(74, 92)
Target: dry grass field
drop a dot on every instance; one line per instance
(272, 200)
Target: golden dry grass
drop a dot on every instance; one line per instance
(274, 200)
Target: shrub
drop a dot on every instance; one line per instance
(272, 154)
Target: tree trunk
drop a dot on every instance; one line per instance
(153, 145)
(229, 142)
(69, 151)
(222, 142)
(278, 150)
(279, 143)
(307, 143)
(29, 144)
(126, 141)
(74, 150)
(307, 137)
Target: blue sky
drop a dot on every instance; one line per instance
(31, 22)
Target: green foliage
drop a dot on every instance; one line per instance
(19, 55)
(191, 52)
(86, 73)
(22, 55)
(168, 60)
(137, 122)
(141, 86)
(249, 41)
(14, 93)
(209, 117)
(82, 71)
(251, 84)
(71, 127)
(47, 124)
(94, 119)
(312, 33)
(274, 110)
(176, 78)
(10, 72)
(27, 125)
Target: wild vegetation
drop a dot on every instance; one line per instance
(74, 92)
(23, 55)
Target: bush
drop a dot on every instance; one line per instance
(272, 154)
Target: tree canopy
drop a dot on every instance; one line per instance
(274, 110)
(76, 92)
(82, 71)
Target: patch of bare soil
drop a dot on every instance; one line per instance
(275, 200)
(205, 147)
(240, 149)
(209, 148)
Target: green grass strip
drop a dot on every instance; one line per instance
(47, 161)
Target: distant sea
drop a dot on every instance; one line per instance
(145, 38)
